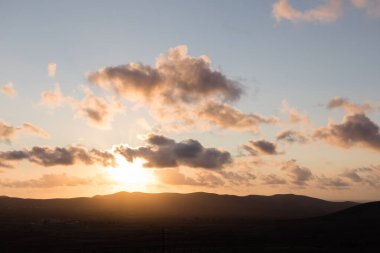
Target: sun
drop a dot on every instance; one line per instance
(131, 175)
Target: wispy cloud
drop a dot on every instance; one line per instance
(372, 7)
(52, 68)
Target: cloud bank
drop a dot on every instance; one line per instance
(47, 157)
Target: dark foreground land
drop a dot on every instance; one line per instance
(188, 223)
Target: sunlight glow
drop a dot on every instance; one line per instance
(131, 175)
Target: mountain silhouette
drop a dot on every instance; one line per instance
(124, 205)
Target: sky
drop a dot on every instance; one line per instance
(231, 97)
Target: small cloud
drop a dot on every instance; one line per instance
(52, 98)
(298, 175)
(52, 68)
(8, 90)
(355, 130)
(294, 116)
(8, 132)
(324, 13)
(292, 136)
(261, 147)
(349, 107)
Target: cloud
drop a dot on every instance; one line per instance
(272, 179)
(261, 147)
(350, 108)
(238, 177)
(176, 77)
(324, 13)
(364, 175)
(97, 111)
(355, 130)
(8, 133)
(181, 91)
(9, 90)
(52, 98)
(298, 175)
(292, 136)
(56, 180)
(52, 68)
(225, 116)
(162, 152)
(294, 116)
(372, 7)
(46, 156)
(175, 177)
(332, 182)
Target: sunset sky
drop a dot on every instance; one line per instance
(231, 97)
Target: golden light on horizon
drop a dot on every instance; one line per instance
(131, 175)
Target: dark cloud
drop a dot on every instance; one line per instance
(162, 152)
(298, 175)
(261, 147)
(356, 129)
(292, 136)
(47, 157)
(8, 132)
